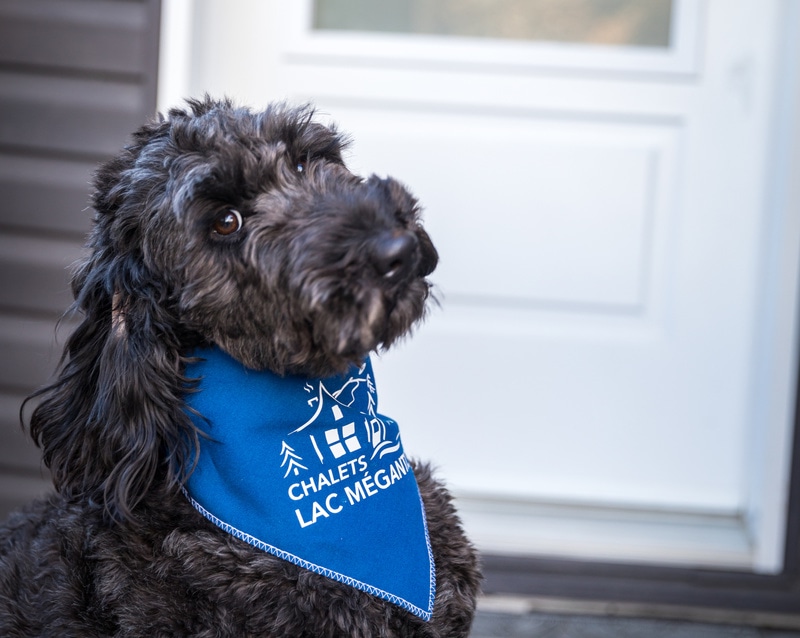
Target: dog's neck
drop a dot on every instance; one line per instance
(308, 470)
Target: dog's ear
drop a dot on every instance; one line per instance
(112, 425)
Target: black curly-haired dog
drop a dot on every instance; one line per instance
(243, 231)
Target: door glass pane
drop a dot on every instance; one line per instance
(605, 22)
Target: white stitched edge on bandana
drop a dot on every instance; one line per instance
(324, 571)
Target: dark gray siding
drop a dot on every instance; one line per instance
(76, 77)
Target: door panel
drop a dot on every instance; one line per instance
(602, 261)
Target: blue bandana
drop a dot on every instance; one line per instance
(307, 470)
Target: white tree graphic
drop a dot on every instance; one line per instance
(291, 460)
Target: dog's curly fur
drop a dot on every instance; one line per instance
(217, 225)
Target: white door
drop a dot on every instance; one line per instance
(610, 373)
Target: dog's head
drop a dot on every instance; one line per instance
(260, 239)
(226, 226)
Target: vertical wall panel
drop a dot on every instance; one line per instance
(76, 77)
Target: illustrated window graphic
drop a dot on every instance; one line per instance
(338, 440)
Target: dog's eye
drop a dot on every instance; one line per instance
(227, 222)
(301, 166)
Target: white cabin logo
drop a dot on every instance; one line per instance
(350, 440)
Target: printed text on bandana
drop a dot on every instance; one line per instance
(347, 461)
(353, 483)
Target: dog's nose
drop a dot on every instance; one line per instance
(393, 254)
